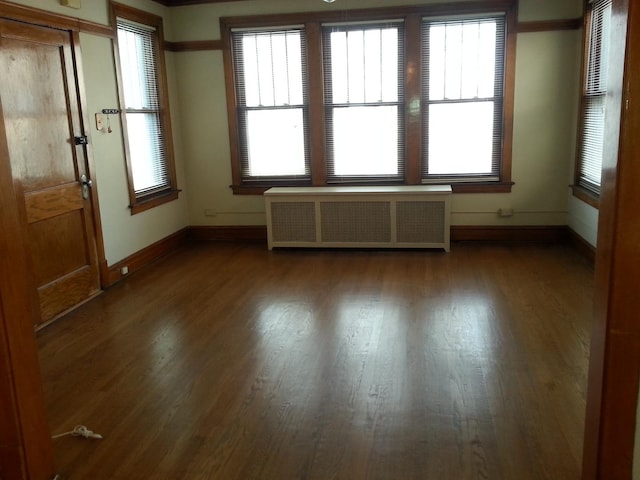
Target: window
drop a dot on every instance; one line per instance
(402, 95)
(462, 102)
(272, 105)
(143, 101)
(590, 148)
(364, 108)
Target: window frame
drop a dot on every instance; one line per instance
(331, 105)
(140, 202)
(412, 17)
(579, 191)
(496, 99)
(243, 111)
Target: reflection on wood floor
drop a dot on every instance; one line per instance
(231, 362)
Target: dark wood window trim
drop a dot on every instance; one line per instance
(586, 196)
(413, 63)
(140, 203)
(550, 25)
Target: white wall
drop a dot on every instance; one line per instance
(546, 103)
(583, 219)
(124, 234)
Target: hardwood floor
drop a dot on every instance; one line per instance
(231, 362)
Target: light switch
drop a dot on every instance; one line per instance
(99, 123)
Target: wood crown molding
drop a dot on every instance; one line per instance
(182, 3)
(193, 46)
(36, 16)
(49, 19)
(550, 25)
(522, 27)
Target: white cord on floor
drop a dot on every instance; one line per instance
(80, 431)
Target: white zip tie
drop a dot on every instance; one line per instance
(80, 431)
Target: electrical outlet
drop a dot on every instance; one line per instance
(124, 270)
(505, 212)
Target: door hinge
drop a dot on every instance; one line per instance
(81, 140)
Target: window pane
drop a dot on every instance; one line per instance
(592, 143)
(275, 142)
(272, 68)
(462, 60)
(598, 59)
(364, 65)
(145, 147)
(363, 93)
(365, 141)
(461, 138)
(136, 49)
(151, 171)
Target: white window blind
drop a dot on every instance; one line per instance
(270, 71)
(589, 166)
(364, 102)
(137, 47)
(462, 84)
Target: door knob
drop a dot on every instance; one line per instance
(86, 185)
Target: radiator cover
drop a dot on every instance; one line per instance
(375, 217)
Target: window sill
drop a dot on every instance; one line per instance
(488, 187)
(249, 189)
(143, 204)
(586, 196)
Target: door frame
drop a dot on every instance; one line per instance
(86, 128)
(26, 448)
(26, 451)
(614, 367)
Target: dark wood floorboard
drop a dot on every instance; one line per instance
(231, 362)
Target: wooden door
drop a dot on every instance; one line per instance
(42, 117)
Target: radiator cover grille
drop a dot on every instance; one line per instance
(367, 222)
(293, 221)
(420, 221)
(381, 217)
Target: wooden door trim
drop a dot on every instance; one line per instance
(91, 167)
(26, 450)
(614, 369)
(36, 16)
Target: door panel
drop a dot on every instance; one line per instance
(42, 117)
(55, 247)
(51, 202)
(36, 113)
